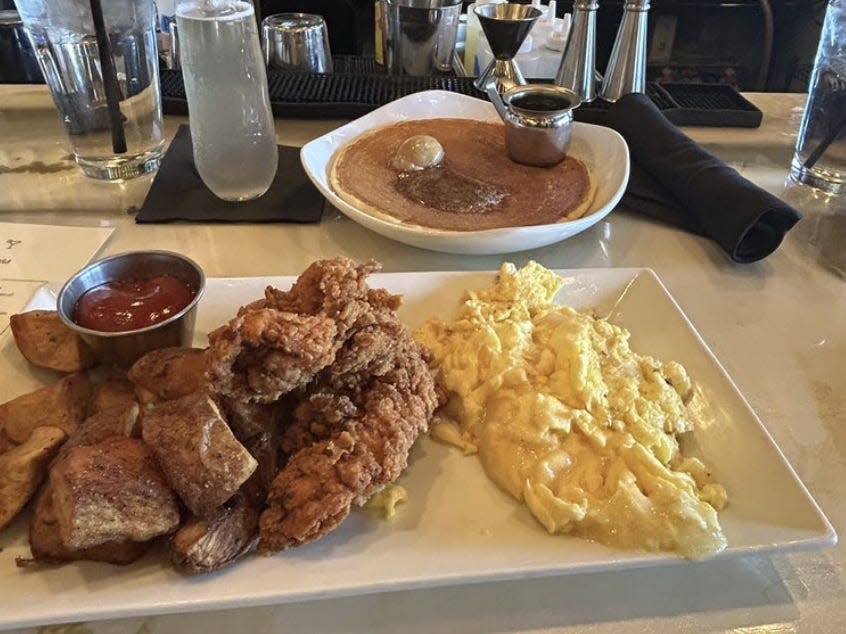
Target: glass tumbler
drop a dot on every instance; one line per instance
(820, 157)
(229, 113)
(100, 61)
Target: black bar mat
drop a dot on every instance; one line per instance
(702, 104)
(356, 89)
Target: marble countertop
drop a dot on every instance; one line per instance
(778, 326)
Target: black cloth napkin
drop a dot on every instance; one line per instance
(675, 180)
(178, 193)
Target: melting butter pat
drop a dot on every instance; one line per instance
(566, 418)
(418, 152)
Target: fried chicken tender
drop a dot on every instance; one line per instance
(320, 483)
(362, 387)
(265, 353)
(335, 288)
(278, 344)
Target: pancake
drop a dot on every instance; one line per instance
(475, 187)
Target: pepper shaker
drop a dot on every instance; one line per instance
(577, 70)
(626, 70)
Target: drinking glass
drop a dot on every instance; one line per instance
(820, 157)
(104, 81)
(419, 35)
(297, 42)
(232, 128)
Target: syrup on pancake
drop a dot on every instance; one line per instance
(444, 189)
(475, 186)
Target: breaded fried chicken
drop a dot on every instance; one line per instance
(362, 386)
(265, 353)
(278, 344)
(362, 452)
(335, 288)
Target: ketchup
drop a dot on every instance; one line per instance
(131, 304)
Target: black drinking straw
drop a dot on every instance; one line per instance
(814, 156)
(110, 81)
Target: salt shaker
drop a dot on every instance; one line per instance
(578, 67)
(232, 127)
(626, 72)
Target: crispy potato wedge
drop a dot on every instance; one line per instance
(204, 463)
(169, 373)
(44, 340)
(6, 443)
(202, 545)
(47, 547)
(23, 468)
(120, 421)
(114, 392)
(61, 405)
(111, 491)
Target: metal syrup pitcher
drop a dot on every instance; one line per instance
(538, 121)
(626, 72)
(577, 70)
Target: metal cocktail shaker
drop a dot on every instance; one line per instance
(578, 68)
(626, 70)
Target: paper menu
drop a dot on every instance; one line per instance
(33, 254)
(14, 295)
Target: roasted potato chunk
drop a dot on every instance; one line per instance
(168, 373)
(47, 546)
(111, 491)
(23, 468)
(46, 342)
(6, 443)
(202, 545)
(61, 405)
(113, 393)
(105, 424)
(204, 463)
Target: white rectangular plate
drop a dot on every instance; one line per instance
(456, 527)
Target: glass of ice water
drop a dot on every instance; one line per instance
(108, 97)
(232, 129)
(820, 157)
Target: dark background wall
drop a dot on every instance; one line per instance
(751, 44)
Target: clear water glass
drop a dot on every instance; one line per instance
(232, 129)
(108, 141)
(820, 157)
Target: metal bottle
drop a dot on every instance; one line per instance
(578, 67)
(626, 70)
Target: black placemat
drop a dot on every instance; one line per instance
(178, 193)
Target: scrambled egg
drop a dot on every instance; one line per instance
(567, 419)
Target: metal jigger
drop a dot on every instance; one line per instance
(505, 26)
(578, 69)
(626, 70)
